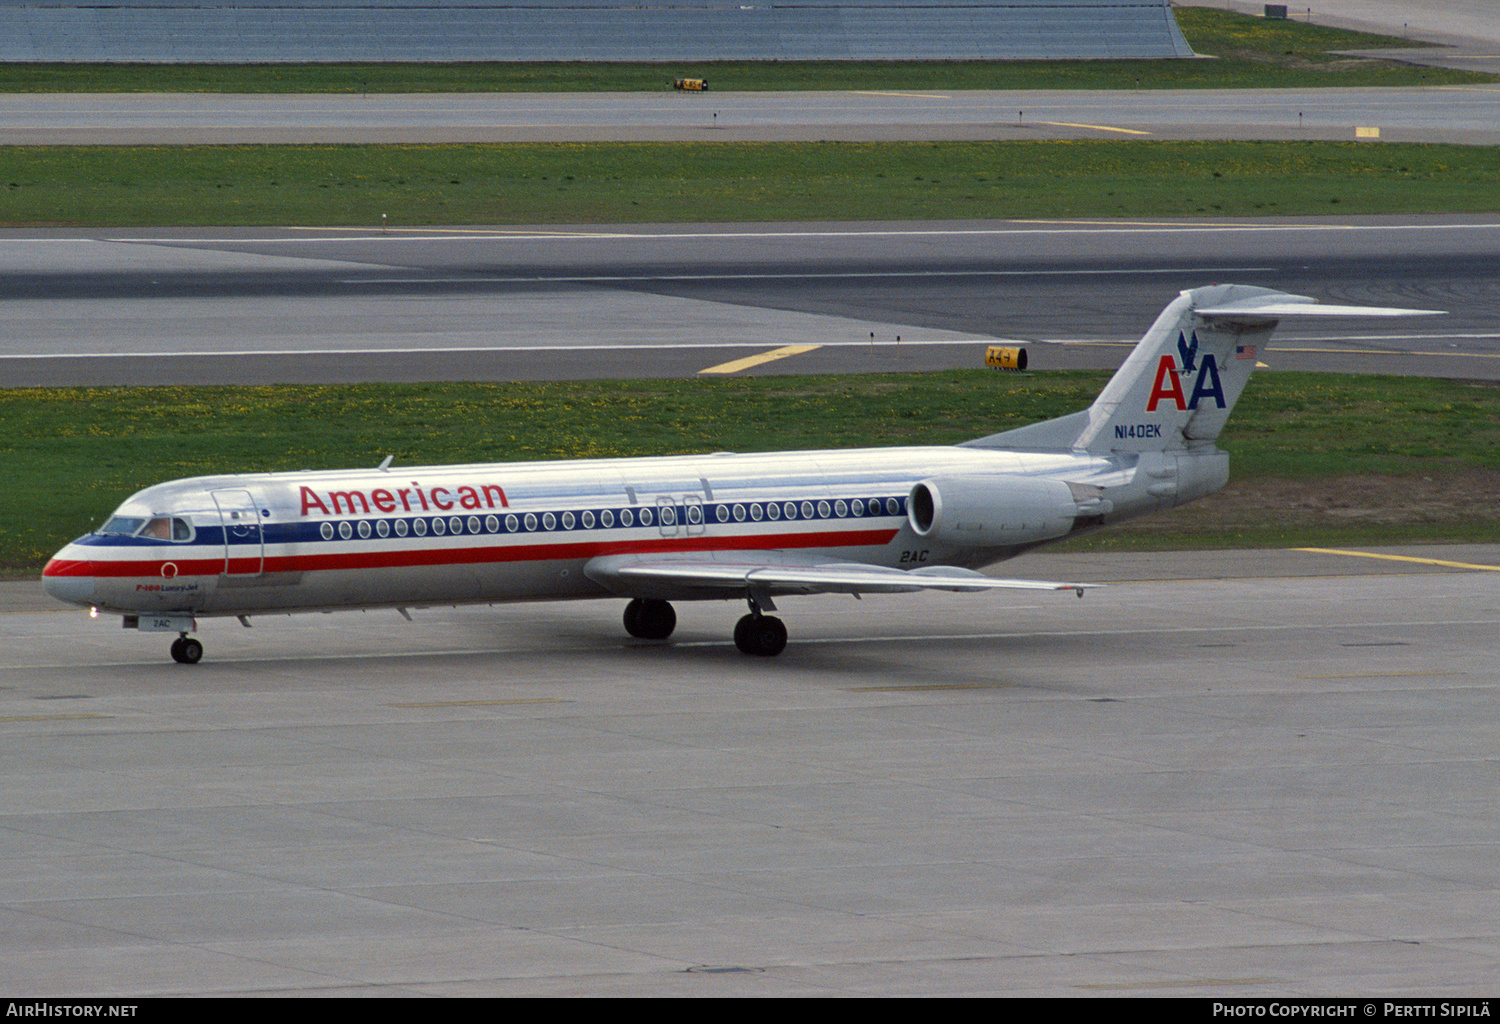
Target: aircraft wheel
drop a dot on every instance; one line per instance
(649, 619)
(187, 651)
(762, 635)
(742, 630)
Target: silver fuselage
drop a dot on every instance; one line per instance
(307, 541)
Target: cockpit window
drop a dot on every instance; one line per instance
(172, 528)
(122, 526)
(159, 528)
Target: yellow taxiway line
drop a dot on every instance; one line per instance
(1094, 127)
(1401, 558)
(480, 703)
(903, 95)
(737, 365)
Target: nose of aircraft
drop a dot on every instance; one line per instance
(69, 579)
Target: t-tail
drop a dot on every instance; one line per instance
(1178, 386)
(1149, 436)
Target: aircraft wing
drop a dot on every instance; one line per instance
(625, 573)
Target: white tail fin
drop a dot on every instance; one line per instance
(1178, 386)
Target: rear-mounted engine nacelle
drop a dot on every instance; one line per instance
(990, 511)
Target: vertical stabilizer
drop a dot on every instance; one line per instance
(1176, 389)
(1180, 383)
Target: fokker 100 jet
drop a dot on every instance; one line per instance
(750, 527)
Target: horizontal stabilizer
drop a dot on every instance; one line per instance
(1271, 309)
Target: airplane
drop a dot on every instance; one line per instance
(751, 527)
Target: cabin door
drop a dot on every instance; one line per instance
(693, 515)
(666, 516)
(244, 541)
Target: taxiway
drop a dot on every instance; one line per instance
(1239, 774)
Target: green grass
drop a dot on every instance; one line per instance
(650, 182)
(1308, 425)
(73, 454)
(1249, 52)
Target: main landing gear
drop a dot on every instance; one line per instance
(756, 633)
(649, 619)
(764, 635)
(186, 650)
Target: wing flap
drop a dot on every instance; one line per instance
(813, 578)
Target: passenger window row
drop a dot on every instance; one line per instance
(608, 519)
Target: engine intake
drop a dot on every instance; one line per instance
(990, 511)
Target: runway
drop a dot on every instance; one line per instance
(326, 305)
(1244, 774)
(1467, 115)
